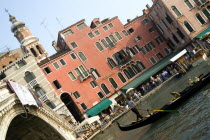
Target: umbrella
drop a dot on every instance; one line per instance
(130, 89)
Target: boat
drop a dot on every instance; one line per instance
(173, 104)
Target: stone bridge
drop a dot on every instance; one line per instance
(18, 122)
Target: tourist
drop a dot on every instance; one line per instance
(133, 108)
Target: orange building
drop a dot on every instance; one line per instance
(94, 62)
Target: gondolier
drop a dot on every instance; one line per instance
(132, 106)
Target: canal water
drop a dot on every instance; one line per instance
(191, 123)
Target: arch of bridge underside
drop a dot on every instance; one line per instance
(11, 111)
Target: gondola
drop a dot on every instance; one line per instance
(185, 94)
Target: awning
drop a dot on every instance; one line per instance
(99, 107)
(151, 71)
(207, 31)
(178, 55)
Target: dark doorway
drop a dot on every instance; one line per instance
(31, 128)
(72, 107)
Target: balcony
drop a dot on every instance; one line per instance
(33, 83)
(83, 76)
(124, 62)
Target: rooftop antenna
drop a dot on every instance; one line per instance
(59, 22)
(45, 26)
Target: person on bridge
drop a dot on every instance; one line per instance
(132, 106)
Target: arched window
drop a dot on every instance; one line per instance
(113, 38)
(39, 49)
(111, 63)
(197, 2)
(127, 74)
(200, 18)
(29, 76)
(113, 83)
(130, 70)
(176, 11)
(94, 73)
(135, 69)
(189, 5)
(98, 45)
(206, 13)
(105, 89)
(122, 78)
(33, 52)
(188, 26)
(82, 56)
(39, 92)
(118, 35)
(140, 65)
(108, 40)
(130, 51)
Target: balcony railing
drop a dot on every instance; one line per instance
(43, 98)
(125, 61)
(33, 83)
(83, 76)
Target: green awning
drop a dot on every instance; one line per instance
(203, 33)
(99, 107)
(151, 71)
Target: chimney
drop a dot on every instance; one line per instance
(148, 7)
(144, 12)
(128, 20)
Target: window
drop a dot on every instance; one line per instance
(57, 84)
(104, 43)
(62, 62)
(122, 78)
(76, 94)
(197, 2)
(131, 30)
(111, 63)
(73, 56)
(189, 5)
(164, 23)
(151, 45)
(93, 84)
(151, 17)
(140, 65)
(81, 72)
(81, 26)
(188, 26)
(50, 104)
(110, 42)
(175, 38)
(145, 49)
(101, 95)
(68, 33)
(118, 36)
(83, 105)
(21, 63)
(91, 35)
(158, 40)
(159, 56)
(82, 56)
(125, 33)
(113, 38)
(97, 32)
(29, 76)
(176, 11)
(94, 73)
(56, 65)
(47, 70)
(168, 18)
(73, 44)
(97, 22)
(160, 29)
(131, 72)
(156, 13)
(166, 50)
(145, 21)
(152, 59)
(136, 48)
(110, 25)
(206, 13)
(98, 45)
(33, 52)
(200, 18)
(105, 28)
(179, 32)
(137, 38)
(71, 75)
(113, 83)
(127, 74)
(152, 29)
(105, 89)
(39, 92)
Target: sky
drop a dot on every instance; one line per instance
(59, 14)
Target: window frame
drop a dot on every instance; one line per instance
(55, 66)
(153, 59)
(75, 78)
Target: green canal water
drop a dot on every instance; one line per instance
(191, 123)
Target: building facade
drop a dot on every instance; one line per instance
(94, 62)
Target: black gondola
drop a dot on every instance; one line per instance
(185, 94)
